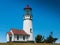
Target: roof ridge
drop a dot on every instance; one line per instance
(14, 29)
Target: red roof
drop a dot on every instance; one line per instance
(20, 32)
(9, 33)
(27, 6)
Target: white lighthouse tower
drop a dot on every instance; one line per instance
(27, 23)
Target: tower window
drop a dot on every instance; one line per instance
(17, 37)
(30, 30)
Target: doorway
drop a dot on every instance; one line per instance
(10, 39)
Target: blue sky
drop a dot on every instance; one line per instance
(46, 16)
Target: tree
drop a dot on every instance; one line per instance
(54, 40)
(50, 39)
(39, 38)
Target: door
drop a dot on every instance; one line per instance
(10, 39)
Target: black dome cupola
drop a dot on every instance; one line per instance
(28, 10)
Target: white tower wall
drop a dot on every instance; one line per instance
(27, 27)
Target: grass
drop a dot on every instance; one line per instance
(27, 44)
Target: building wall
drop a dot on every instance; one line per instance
(12, 35)
(27, 25)
(20, 38)
(15, 38)
(7, 38)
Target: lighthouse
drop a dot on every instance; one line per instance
(27, 22)
(26, 34)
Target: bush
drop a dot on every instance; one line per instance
(49, 39)
(39, 38)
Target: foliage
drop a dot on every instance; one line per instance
(49, 39)
(39, 38)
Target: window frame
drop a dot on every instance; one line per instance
(17, 37)
(23, 37)
(30, 30)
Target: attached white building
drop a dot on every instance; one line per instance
(25, 35)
